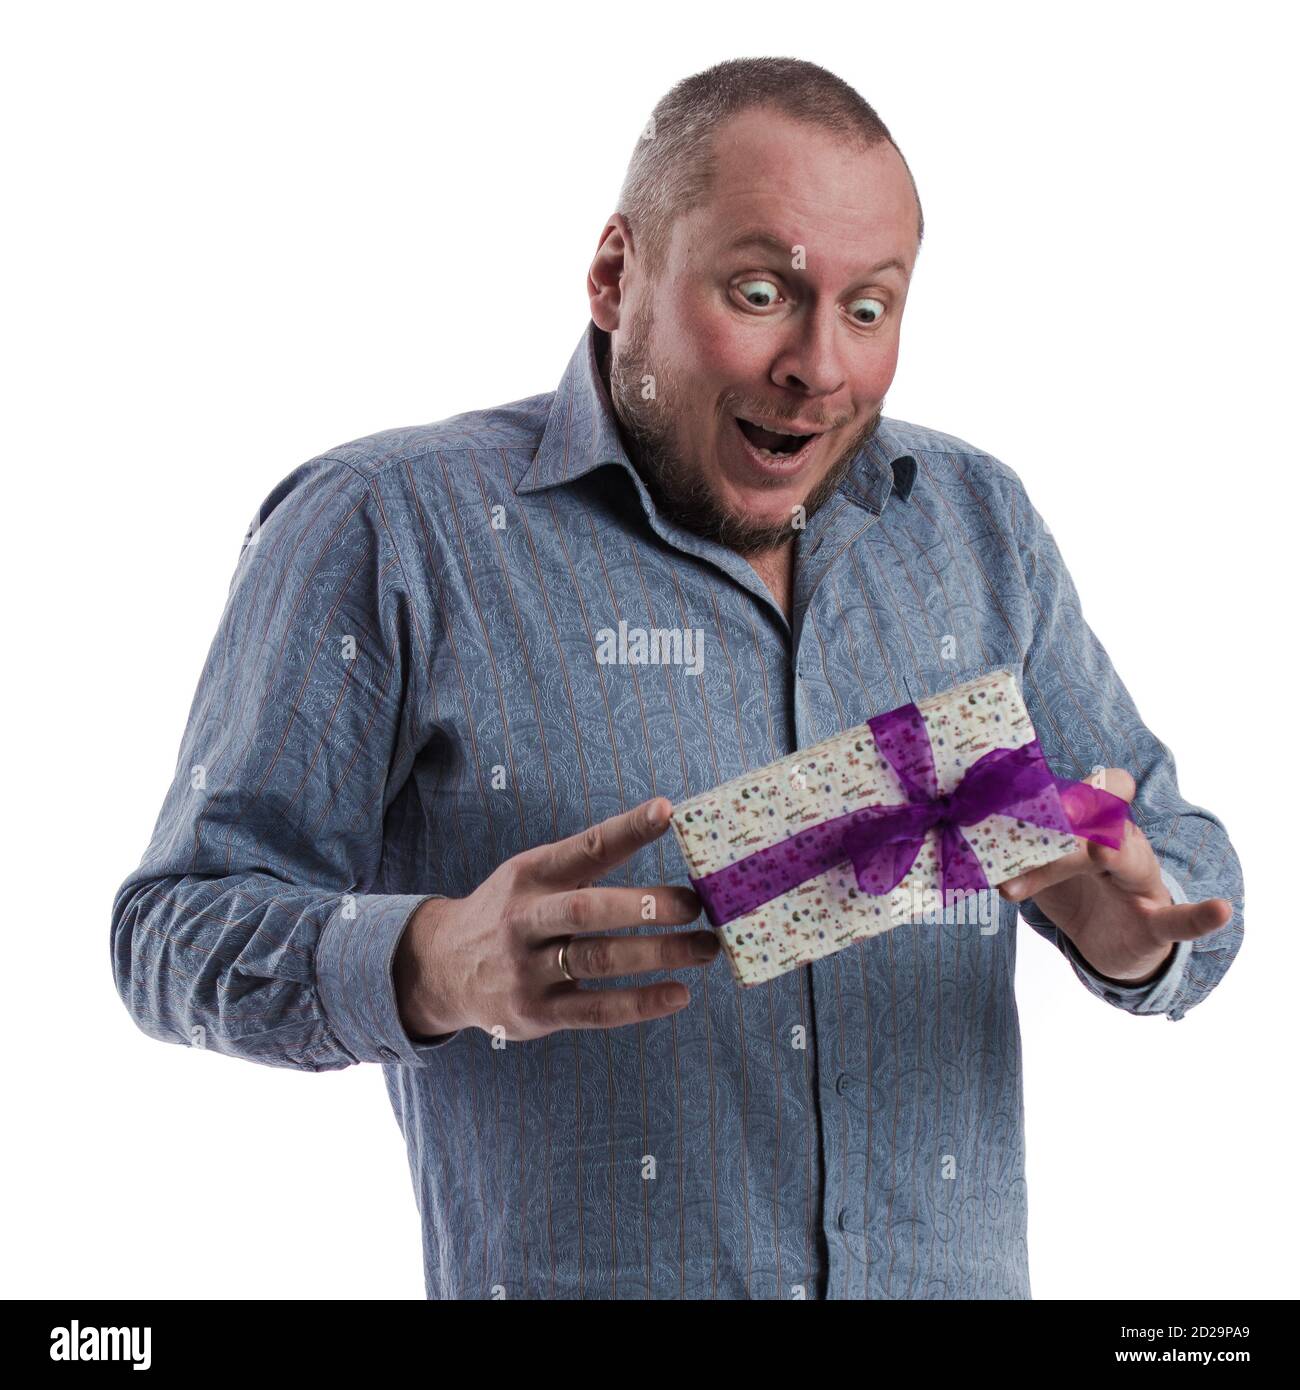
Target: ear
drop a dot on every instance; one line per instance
(605, 278)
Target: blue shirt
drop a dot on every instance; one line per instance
(406, 687)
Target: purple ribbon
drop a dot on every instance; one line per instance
(882, 842)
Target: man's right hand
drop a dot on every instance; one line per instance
(491, 960)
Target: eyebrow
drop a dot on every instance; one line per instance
(777, 247)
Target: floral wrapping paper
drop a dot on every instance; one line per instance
(839, 775)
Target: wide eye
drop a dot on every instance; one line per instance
(867, 311)
(762, 294)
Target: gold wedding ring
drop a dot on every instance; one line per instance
(564, 969)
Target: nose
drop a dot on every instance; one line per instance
(810, 362)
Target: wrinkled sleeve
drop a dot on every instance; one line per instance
(1086, 718)
(252, 926)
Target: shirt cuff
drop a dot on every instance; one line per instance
(354, 975)
(1153, 996)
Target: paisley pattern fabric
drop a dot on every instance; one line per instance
(446, 643)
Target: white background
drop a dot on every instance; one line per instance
(238, 235)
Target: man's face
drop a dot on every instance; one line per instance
(774, 306)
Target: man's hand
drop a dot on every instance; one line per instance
(1113, 904)
(491, 960)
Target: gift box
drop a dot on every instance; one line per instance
(876, 827)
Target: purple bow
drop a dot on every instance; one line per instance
(882, 842)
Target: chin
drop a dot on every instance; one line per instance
(765, 516)
(773, 502)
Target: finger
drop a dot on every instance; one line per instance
(1191, 921)
(1116, 780)
(609, 909)
(1133, 866)
(1048, 875)
(1080, 807)
(612, 1008)
(605, 957)
(603, 846)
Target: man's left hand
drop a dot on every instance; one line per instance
(1113, 904)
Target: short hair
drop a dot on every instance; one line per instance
(672, 167)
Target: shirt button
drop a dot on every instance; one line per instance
(842, 1220)
(388, 1054)
(843, 1084)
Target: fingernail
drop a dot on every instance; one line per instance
(658, 816)
(704, 945)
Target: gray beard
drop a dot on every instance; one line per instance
(680, 491)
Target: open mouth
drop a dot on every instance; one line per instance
(774, 447)
(770, 441)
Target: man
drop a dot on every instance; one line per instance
(419, 809)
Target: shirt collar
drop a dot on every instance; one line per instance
(581, 435)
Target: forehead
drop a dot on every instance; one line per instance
(807, 187)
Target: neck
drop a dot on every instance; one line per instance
(775, 568)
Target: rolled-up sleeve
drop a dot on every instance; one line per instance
(256, 924)
(1085, 718)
